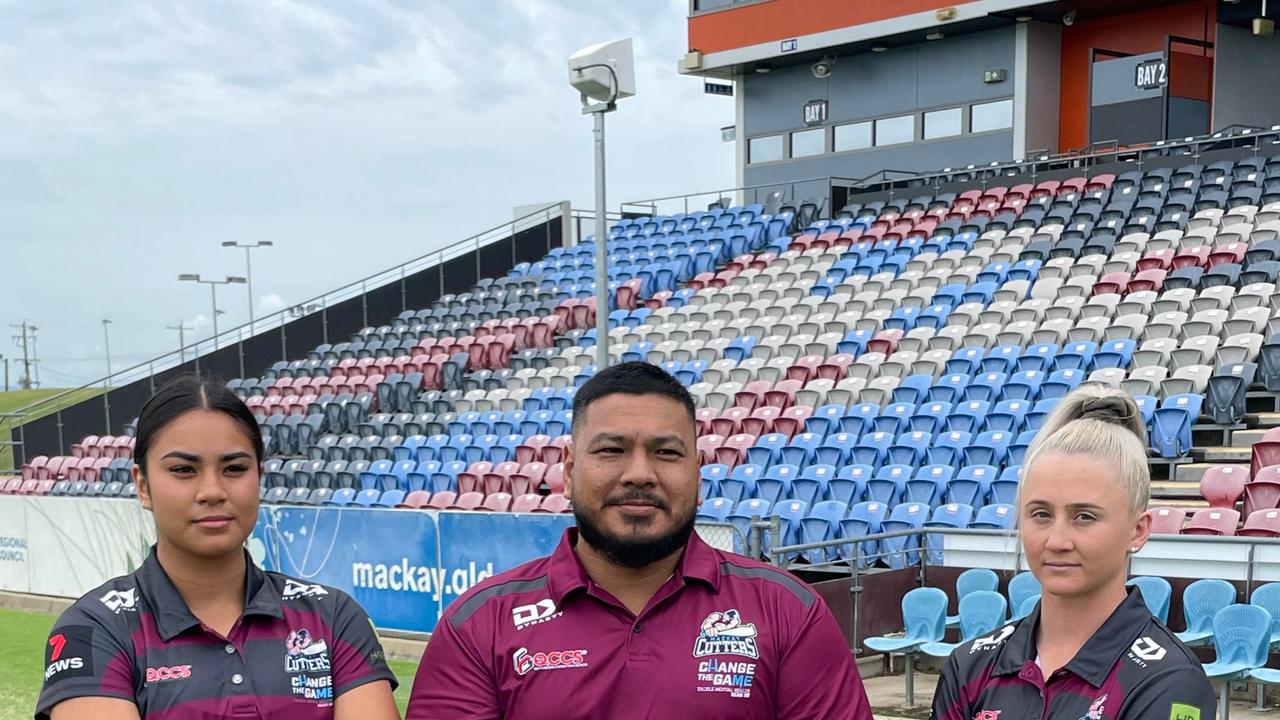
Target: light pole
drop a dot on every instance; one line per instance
(106, 345)
(602, 74)
(181, 327)
(213, 293)
(248, 268)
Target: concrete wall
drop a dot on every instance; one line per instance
(1246, 86)
(942, 74)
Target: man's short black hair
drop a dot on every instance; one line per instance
(630, 378)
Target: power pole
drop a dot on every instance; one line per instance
(27, 341)
(182, 339)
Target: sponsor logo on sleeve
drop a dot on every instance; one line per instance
(118, 601)
(69, 653)
(307, 660)
(991, 641)
(294, 590)
(1178, 711)
(987, 715)
(525, 662)
(724, 633)
(539, 612)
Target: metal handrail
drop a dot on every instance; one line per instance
(1034, 161)
(167, 360)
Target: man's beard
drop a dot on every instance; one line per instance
(634, 554)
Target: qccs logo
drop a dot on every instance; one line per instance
(173, 672)
(526, 662)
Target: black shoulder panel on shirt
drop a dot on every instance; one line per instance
(475, 602)
(802, 592)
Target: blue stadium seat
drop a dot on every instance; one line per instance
(1201, 600)
(889, 484)
(774, 485)
(1004, 489)
(988, 448)
(929, 484)
(821, 524)
(968, 417)
(903, 551)
(981, 613)
(894, 419)
(741, 483)
(930, 418)
(1007, 415)
(850, 483)
(1171, 424)
(948, 448)
(715, 509)
(813, 484)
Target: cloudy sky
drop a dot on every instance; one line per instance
(136, 136)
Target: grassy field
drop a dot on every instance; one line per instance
(15, 399)
(22, 639)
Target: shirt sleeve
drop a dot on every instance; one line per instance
(817, 676)
(1181, 693)
(946, 696)
(358, 658)
(84, 658)
(453, 681)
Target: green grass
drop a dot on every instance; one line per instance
(22, 639)
(17, 399)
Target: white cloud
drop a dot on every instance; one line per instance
(137, 136)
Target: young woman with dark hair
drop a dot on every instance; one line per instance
(198, 630)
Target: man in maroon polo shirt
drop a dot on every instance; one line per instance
(633, 616)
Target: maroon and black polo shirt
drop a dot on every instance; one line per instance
(724, 637)
(1133, 668)
(297, 647)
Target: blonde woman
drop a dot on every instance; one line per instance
(1091, 649)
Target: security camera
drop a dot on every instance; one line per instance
(822, 68)
(1069, 18)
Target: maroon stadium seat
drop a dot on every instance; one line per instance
(442, 500)
(1167, 520)
(1262, 523)
(1222, 485)
(1213, 521)
(416, 499)
(496, 502)
(1262, 492)
(555, 503)
(528, 502)
(467, 501)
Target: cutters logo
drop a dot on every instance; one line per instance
(723, 633)
(173, 672)
(526, 662)
(1096, 709)
(991, 641)
(118, 601)
(306, 654)
(294, 589)
(539, 612)
(987, 715)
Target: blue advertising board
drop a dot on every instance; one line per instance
(403, 567)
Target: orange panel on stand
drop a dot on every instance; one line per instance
(1134, 33)
(737, 27)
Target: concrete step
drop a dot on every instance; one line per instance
(1174, 490)
(1192, 472)
(1246, 438)
(1263, 420)
(1216, 455)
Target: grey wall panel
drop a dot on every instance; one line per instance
(916, 157)
(1126, 123)
(1246, 85)
(1113, 81)
(874, 85)
(1188, 117)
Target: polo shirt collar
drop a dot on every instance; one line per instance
(1094, 661)
(173, 616)
(566, 572)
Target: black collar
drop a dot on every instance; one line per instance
(1094, 661)
(173, 616)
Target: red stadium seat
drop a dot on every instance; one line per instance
(555, 503)
(468, 501)
(1222, 485)
(1261, 523)
(1167, 520)
(1213, 521)
(529, 502)
(416, 500)
(1262, 492)
(496, 502)
(556, 451)
(442, 500)
(555, 478)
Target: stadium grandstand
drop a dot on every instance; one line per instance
(948, 216)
